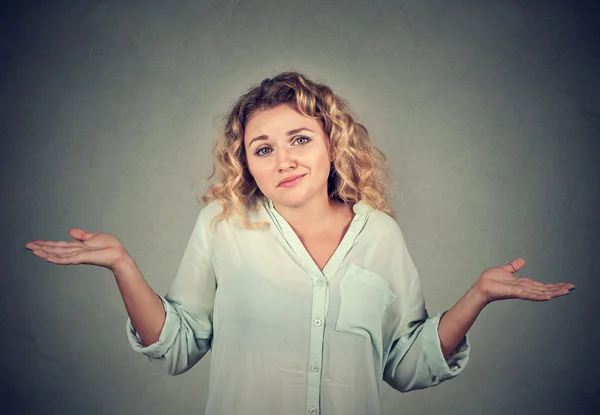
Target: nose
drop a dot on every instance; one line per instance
(285, 159)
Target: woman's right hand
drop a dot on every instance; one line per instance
(101, 249)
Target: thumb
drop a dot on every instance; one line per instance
(80, 234)
(514, 265)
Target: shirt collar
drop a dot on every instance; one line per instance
(359, 207)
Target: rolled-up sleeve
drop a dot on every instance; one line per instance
(186, 335)
(414, 358)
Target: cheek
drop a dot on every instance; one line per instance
(258, 170)
(324, 162)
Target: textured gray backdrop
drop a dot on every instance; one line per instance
(489, 112)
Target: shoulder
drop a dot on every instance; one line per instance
(234, 222)
(375, 217)
(210, 210)
(382, 226)
(382, 219)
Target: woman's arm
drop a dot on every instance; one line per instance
(143, 305)
(176, 331)
(496, 283)
(455, 323)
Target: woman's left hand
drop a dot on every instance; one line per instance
(499, 283)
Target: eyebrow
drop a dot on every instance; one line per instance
(291, 132)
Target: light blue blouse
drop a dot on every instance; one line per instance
(288, 338)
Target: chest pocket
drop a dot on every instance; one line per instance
(364, 297)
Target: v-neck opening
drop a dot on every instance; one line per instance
(293, 240)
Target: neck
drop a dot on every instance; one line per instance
(312, 217)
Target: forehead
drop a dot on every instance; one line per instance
(277, 121)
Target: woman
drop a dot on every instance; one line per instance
(296, 275)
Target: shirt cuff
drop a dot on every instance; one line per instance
(443, 368)
(167, 335)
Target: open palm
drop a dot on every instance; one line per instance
(499, 283)
(101, 249)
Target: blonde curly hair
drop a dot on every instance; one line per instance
(359, 169)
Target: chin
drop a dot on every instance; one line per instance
(291, 200)
(288, 202)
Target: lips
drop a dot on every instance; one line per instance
(289, 179)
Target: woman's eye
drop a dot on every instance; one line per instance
(265, 151)
(260, 151)
(302, 138)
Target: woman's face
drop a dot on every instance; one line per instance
(281, 143)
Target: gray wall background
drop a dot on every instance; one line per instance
(489, 112)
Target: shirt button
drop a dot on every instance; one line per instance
(320, 281)
(318, 322)
(312, 411)
(314, 368)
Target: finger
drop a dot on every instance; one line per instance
(559, 287)
(54, 244)
(557, 291)
(525, 287)
(547, 294)
(539, 286)
(515, 265)
(542, 284)
(532, 296)
(80, 234)
(58, 250)
(568, 285)
(38, 241)
(521, 280)
(556, 295)
(62, 243)
(549, 290)
(72, 259)
(527, 292)
(543, 296)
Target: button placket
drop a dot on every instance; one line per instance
(320, 295)
(319, 312)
